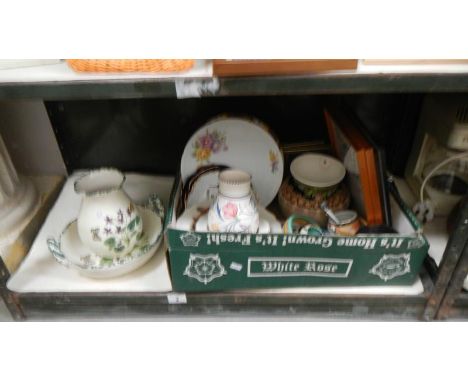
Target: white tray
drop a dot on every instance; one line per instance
(435, 230)
(39, 272)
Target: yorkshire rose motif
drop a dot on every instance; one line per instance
(204, 268)
(416, 243)
(190, 239)
(391, 266)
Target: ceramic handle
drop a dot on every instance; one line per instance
(154, 203)
(212, 193)
(59, 256)
(54, 248)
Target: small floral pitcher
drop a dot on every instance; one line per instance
(235, 208)
(108, 223)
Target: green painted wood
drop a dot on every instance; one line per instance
(87, 90)
(458, 310)
(454, 288)
(454, 251)
(154, 306)
(243, 86)
(329, 311)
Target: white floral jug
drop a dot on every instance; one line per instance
(235, 208)
(108, 223)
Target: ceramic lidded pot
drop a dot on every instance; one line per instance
(315, 178)
(234, 209)
(317, 174)
(109, 223)
(348, 223)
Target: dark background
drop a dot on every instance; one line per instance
(149, 135)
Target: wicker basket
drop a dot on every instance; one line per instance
(141, 66)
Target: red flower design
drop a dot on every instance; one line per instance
(206, 141)
(230, 210)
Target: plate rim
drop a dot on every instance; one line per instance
(255, 123)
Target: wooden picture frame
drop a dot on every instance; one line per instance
(359, 158)
(226, 68)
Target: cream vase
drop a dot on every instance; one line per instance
(234, 209)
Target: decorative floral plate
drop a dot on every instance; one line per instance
(195, 219)
(69, 251)
(237, 143)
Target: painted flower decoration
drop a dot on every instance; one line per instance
(95, 234)
(202, 155)
(230, 210)
(119, 231)
(274, 162)
(206, 141)
(207, 144)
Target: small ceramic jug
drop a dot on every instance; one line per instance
(108, 222)
(234, 209)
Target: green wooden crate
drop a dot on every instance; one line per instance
(228, 261)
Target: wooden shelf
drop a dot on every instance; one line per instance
(294, 305)
(59, 82)
(48, 84)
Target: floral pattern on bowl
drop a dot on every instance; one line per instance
(69, 251)
(119, 230)
(207, 144)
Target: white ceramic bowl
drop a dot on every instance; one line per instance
(70, 251)
(317, 170)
